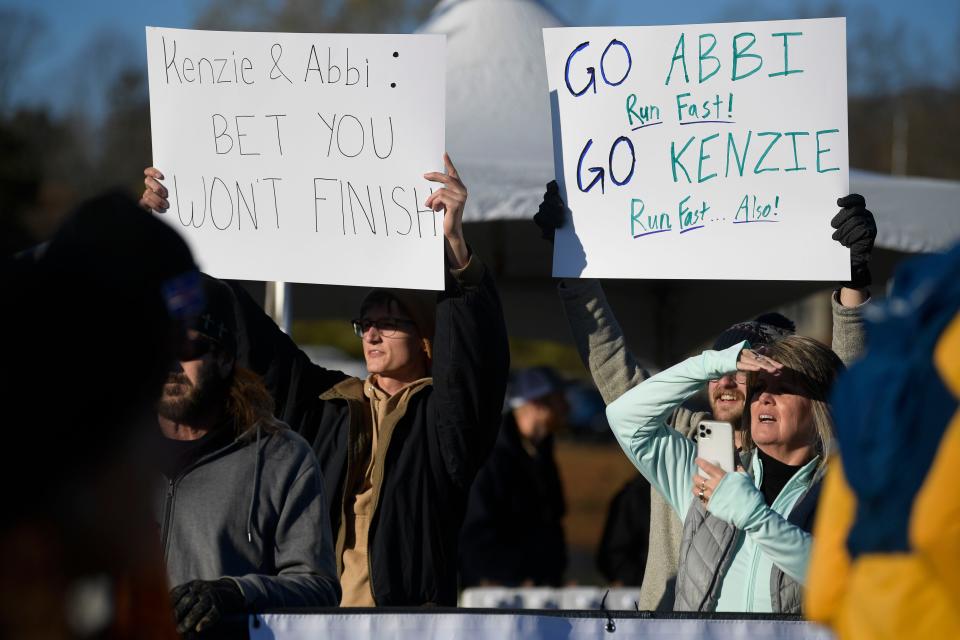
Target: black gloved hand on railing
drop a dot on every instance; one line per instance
(200, 604)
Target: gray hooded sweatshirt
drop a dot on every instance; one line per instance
(253, 511)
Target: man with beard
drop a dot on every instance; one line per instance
(726, 395)
(243, 520)
(615, 370)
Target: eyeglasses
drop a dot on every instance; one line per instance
(740, 377)
(387, 327)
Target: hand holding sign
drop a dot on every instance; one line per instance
(857, 230)
(451, 199)
(154, 196)
(552, 212)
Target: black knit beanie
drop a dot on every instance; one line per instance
(218, 320)
(762, 330)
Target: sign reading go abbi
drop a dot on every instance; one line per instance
(712, 151)
(300, 157)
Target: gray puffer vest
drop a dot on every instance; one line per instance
(707, 551)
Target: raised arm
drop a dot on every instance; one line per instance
(639, 422)
(471, 357)
(849, 336)
(595, 330)
(599, 338)
(856, 229)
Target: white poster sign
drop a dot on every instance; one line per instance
(300, 157)
(711, 151)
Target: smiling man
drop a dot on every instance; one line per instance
(727, 395)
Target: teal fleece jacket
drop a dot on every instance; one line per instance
(667, 460)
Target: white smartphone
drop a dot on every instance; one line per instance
(715, 444)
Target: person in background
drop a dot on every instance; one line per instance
(885, 561)
(622, 554)
(399, 449)
(242, 513)
(614, 369)
(513, 531)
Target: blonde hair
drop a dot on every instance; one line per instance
(814, 368)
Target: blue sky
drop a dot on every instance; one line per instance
(84, 41)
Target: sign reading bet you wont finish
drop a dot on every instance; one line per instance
(710, 151)
(300, 157)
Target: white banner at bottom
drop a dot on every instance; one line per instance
(517, 626)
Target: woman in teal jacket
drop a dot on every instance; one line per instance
(746, 538)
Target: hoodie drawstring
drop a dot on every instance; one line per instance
(256, 486)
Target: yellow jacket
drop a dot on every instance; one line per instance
(896, 595)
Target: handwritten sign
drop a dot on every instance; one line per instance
(300, 157)
(710, 151)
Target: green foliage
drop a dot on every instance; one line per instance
(930, 116)
(335, 333)
(532, 353)
(523, 353)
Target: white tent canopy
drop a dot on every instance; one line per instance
(499, 131)
(916, 215)
(498, 111)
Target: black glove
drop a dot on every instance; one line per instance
(552, 213)
(856, 229)
(199, 604)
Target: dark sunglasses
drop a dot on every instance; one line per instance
(387, 327)
(195, 348)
